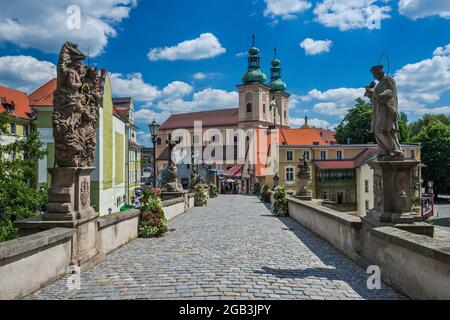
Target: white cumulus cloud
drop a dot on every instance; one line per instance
(351, 14)
(133, 85)
(314, 47)
(286, 9)
(205, 46)
(25, 73)
(416, 9)
(43, 25)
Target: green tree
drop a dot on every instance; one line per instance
(417, 126)
(435, 139)
(404, 134)
(355, 128)
(18, 199)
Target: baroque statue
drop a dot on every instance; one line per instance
(76, 103)
(169, 177)
(304, 175)
(384, 98)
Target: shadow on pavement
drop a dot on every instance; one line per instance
(340, 267)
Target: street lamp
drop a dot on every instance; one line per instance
(154, 130)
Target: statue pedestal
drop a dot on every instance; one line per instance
(70, 207)
(69, 197)
(393, 191)
(303, 193)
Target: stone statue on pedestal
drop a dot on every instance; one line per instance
(304, 175)
(76, 102)
(385, 114)
(393, 184)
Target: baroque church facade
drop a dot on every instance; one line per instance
(262, 105)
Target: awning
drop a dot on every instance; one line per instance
(234, 172)
(344, 164)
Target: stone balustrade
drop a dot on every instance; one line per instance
(416, 265)
(41, 257)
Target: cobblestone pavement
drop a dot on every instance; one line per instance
(232, 249)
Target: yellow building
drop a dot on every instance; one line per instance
(340, 174)
(124, 109)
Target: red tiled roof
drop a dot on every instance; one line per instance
(43, 97)
(222, 117)
(357, 162)
(18, 99)
(301, 136)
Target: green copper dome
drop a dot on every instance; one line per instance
(254, 76)
(278, 85)
(253, 51)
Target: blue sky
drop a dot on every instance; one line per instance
(324, 74)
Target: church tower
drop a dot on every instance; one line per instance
(254, 94)
(279, 99)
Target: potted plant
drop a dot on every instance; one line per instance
(280, 206)
(212, 191)
(153, 221)
(201, 197)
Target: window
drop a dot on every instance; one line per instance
(264, 108)
(13, 156)
(188, 166)
(27, 130)
(306, 155)
(367, 205)
(159, 141)
(366, 186)
(13, 128)
(289, 155)
(249, 107)
(285, 114)
(339, 154)
(413, 154)
(289, 174)
(323, 155)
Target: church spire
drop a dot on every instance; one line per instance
(275, 74)
(254, 74)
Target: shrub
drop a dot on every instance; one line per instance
(265, 194)
(212, 191)
(280, 206)
(153, 221)
(257, 189)
(201, 199)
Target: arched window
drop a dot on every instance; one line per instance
(249, 107)
(264, 108)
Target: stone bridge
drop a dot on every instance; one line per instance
(232, 249)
